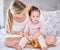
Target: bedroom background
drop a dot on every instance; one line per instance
(50, 12)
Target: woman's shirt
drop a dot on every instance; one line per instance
(20, 26)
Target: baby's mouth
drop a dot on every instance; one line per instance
(35, 20)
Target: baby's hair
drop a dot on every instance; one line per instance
(33, 8)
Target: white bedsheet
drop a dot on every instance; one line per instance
(3, 47)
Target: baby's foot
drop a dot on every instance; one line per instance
(44, 48)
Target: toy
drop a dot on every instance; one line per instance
(34, 43)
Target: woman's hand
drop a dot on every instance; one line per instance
(28, 8)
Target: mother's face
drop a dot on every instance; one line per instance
(20, 16)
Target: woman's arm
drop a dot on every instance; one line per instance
(17, 32)
(12, 32)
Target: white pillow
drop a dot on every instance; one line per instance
(48, 21)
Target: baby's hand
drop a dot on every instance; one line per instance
(30, 39)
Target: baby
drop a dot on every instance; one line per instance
(32, 30)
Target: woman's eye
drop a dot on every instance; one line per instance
(18, 13)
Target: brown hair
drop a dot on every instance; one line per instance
(16, 6)
(33, 8)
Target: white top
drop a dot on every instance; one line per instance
(20, 26)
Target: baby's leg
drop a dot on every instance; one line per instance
(23, 42)
(42, 42)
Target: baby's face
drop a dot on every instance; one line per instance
(35, 15)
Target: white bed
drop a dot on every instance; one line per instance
(3, 47)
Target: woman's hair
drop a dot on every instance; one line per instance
(33, 8)
(17, 7)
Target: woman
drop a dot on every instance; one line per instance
(16, 21)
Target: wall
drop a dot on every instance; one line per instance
(1, 14)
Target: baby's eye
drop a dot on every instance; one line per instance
(33, 16)
(37, 16)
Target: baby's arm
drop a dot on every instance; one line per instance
(28, 36)
(26, 32)
(41, 32)
(25, 39)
